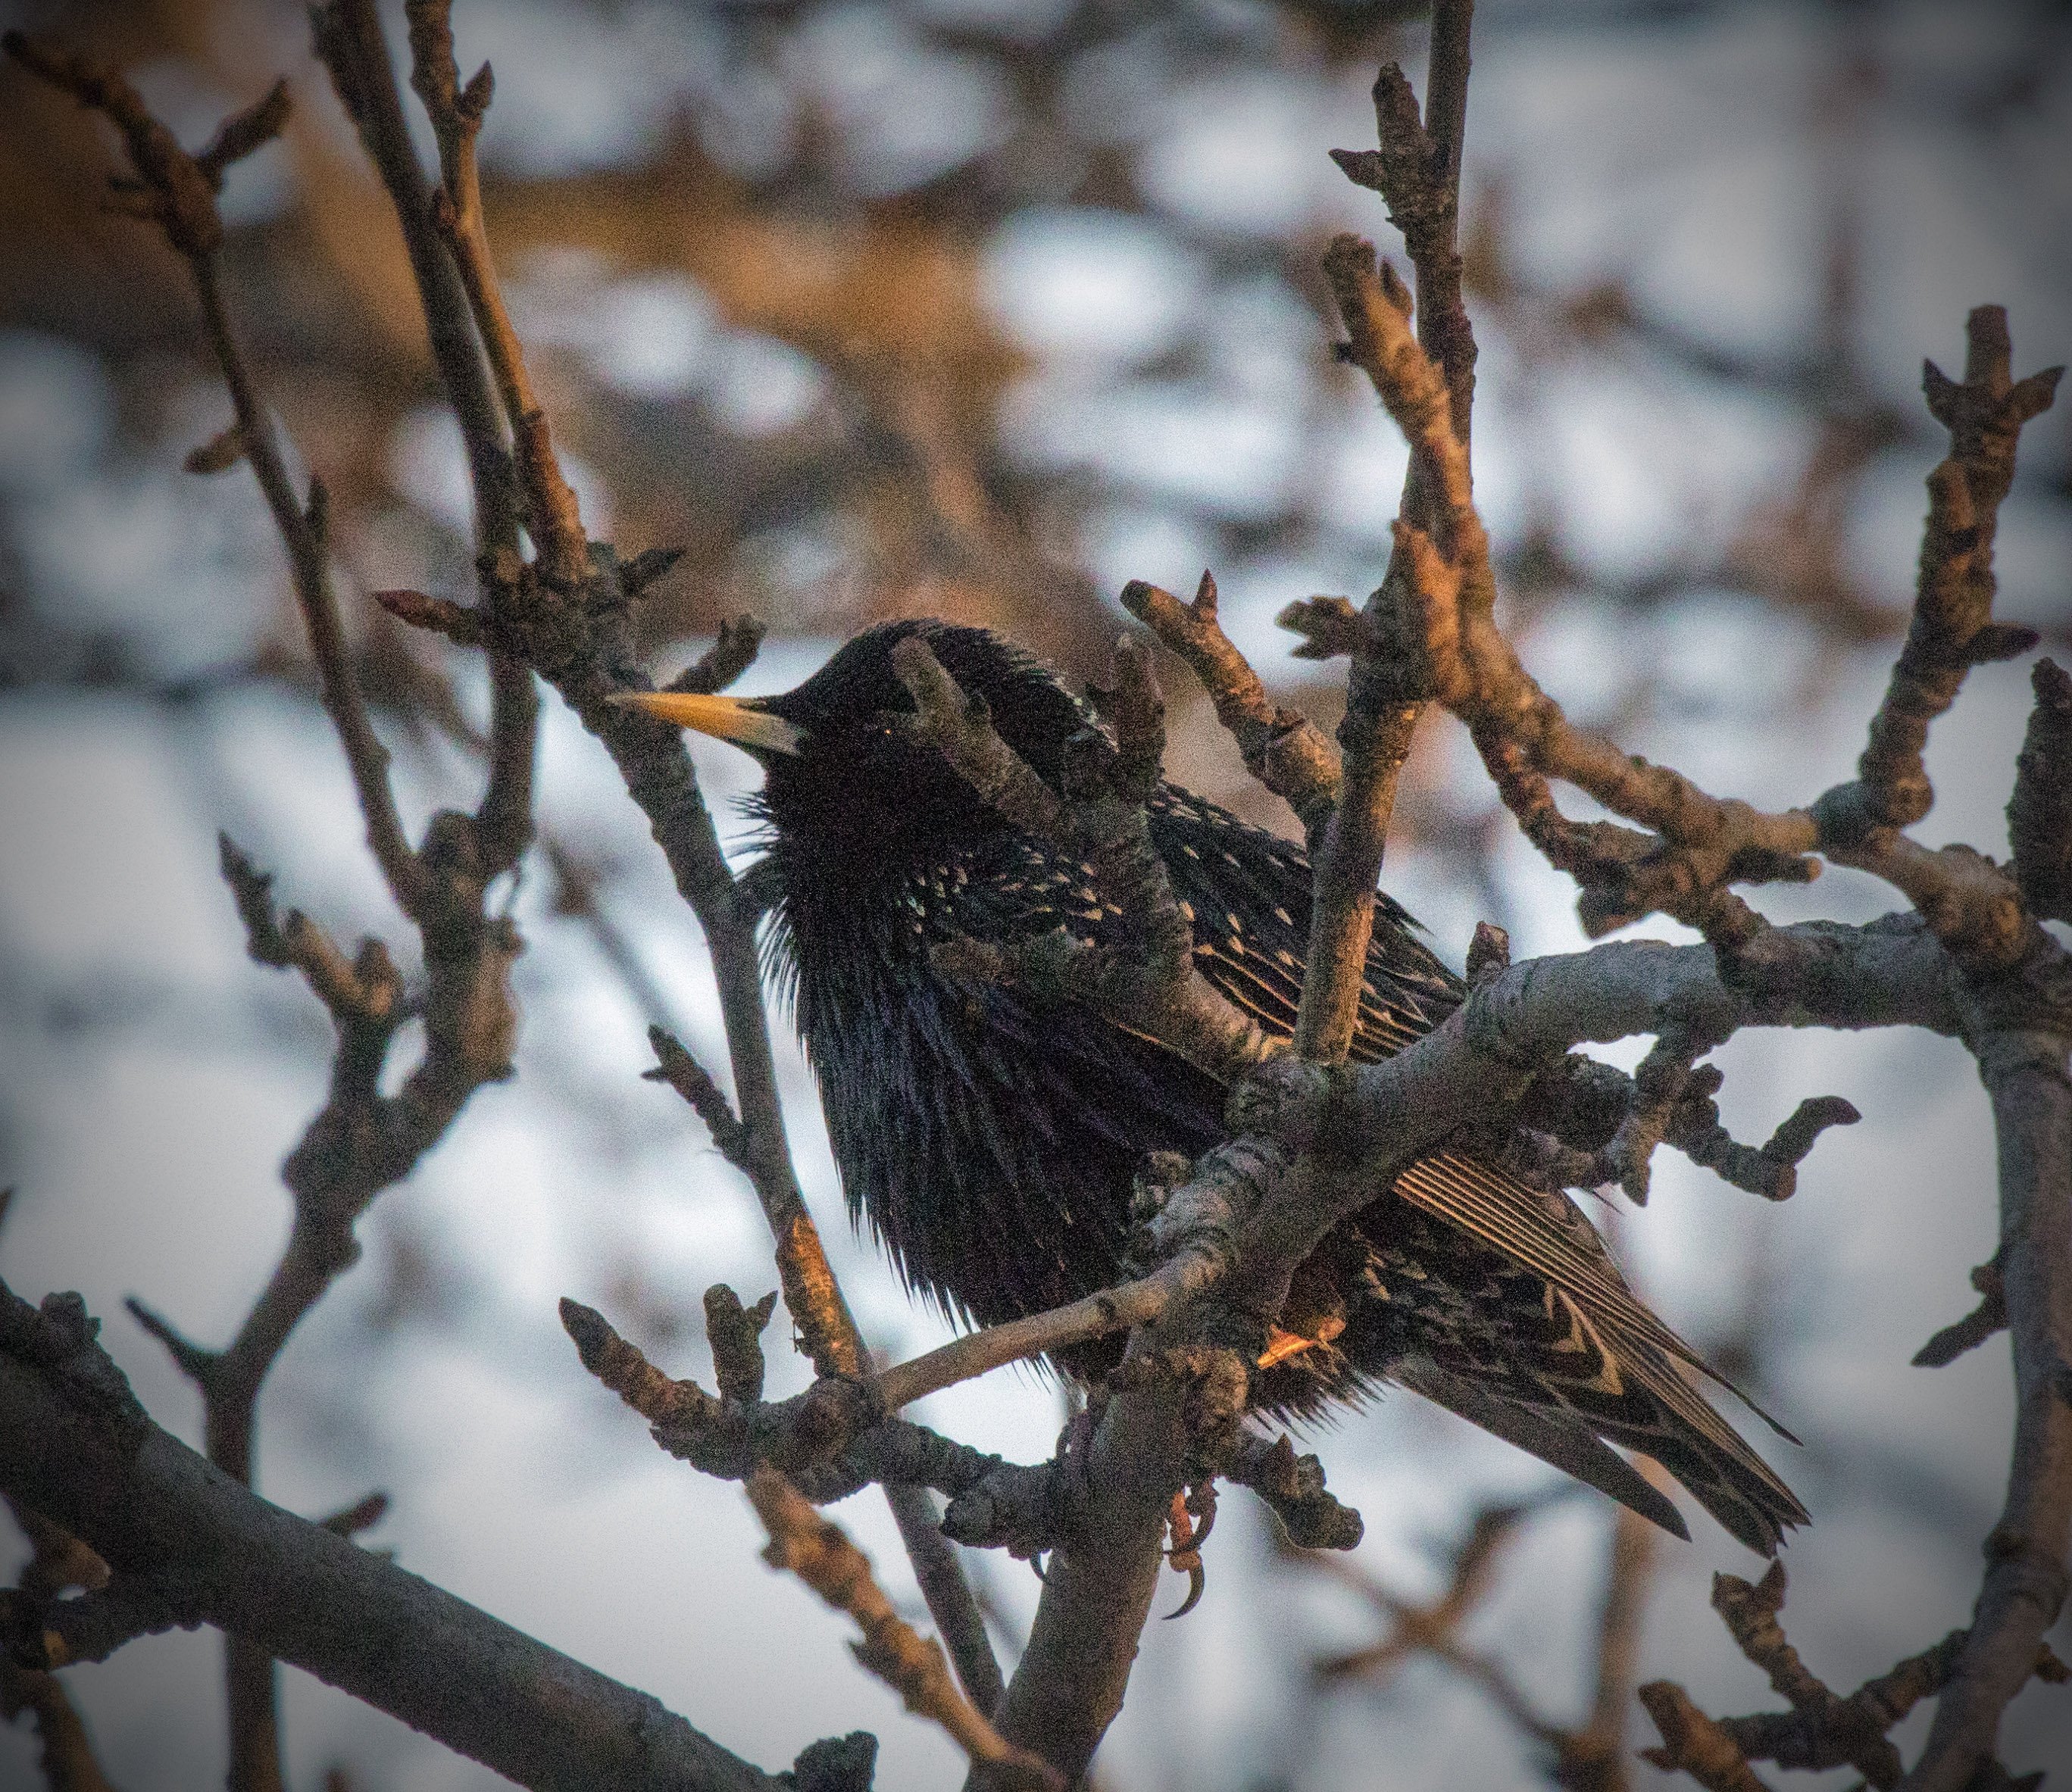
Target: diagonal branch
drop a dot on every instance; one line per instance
(75, 1446)
(1281, 747)
(816, 1550)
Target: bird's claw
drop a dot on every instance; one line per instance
(1185, 1556)
(1198, 1582)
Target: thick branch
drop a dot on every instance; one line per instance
(75, 1445)
(1195, 1235)
(2026, 1076)
(1480, 1061)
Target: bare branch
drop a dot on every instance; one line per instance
(740, 639)
(948, 1594)
(181, 194)
(1194, 1233)
(75, 1445)
(1154, 984)
(348, 40)
(1292, 1487)
(735, 1334)
(456, 112)
(675, 1066)
(2026, 1075)
(1953, 628)
(1282, 748)
(817, 1552)
(1984, 1321)
(1820, 1731)
(1480, 1061)
(58, 1562)
(1691, 1741)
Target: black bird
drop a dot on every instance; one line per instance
(992, 1138)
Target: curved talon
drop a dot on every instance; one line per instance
(1197, 1581)
(1036, 1565)
(1185, 1556)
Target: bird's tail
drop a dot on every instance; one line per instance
(1585, 1353)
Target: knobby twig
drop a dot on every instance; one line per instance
(1986, 1319)
(1821, 1730)
(816, 1550)
(2039, 812)
(58, 1563)
(1282, 748)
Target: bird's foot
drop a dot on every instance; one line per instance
(1196, 1502)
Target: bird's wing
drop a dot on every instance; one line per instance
(1249, 895)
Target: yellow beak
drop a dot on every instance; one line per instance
(725, 718)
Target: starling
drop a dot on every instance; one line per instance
(992, 1138)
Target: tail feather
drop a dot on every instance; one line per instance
(1557, 1438)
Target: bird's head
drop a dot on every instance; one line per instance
(843, 776)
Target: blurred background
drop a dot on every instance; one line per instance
(978, 308)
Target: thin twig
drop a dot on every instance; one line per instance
(456, 112)
(816, 1549)
(178, 194)
(349, 42)
(58, 1562)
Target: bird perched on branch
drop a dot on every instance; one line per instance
(992, 1137)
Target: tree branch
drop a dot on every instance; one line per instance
(363, 1141)
(1282, 748)
(2026, 1076)
(177, 192)
(349, 41)
(816, 1549)
(75, 1445)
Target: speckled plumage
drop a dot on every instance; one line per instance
(991, 1138)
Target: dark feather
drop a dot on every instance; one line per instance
(991, 1139)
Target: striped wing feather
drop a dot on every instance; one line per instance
(1606, 1367)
